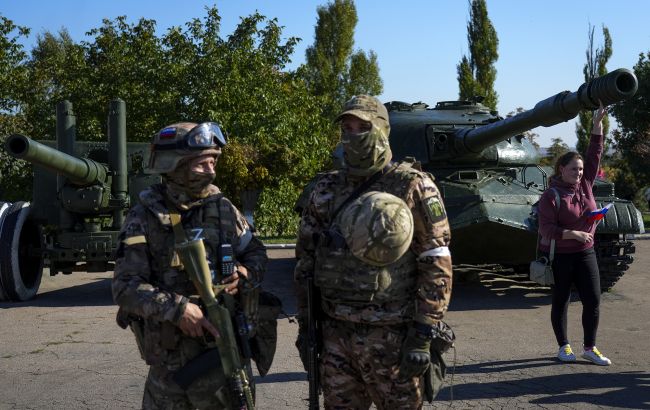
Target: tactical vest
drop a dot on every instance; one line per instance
(216, 220)
(343, 278)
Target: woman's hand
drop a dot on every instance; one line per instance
(582, 237)
(233, 280)
(598, 116)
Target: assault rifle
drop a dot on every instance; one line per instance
(313, 347)
(192, 255)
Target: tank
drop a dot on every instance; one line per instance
(81, 193)
(490, 175)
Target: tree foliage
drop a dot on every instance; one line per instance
(332, 71)
(632, 139)
(594, 67)
(476, 73)
(14, 175)
(555, 151)
(277, 135)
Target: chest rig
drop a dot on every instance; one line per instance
(344, 278)
(214, 221)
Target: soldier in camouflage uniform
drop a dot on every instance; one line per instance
(155, 295)
(385, 287)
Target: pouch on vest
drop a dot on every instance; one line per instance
(265, 341)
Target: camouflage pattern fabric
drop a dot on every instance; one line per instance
(361, 351)
(360, 366)
(149, 281)
(368, 152)
(430, 243)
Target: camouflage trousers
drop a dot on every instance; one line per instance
(360, 366)
(209, 391)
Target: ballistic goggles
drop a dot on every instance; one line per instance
(203, 136)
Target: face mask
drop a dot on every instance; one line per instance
(368, 152)
(193, 184)
(197, 184)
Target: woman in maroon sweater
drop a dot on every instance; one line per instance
(575, 259)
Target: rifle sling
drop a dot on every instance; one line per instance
(179, 233)
(362, 188)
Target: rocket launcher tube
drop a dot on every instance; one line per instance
(192, 255)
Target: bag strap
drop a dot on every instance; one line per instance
(361, 189)
(551, 254)
(557, 207)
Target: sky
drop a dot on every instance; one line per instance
(418, 43)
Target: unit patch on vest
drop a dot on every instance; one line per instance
(435, 209)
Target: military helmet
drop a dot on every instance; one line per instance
(377, 227)
(183, 140)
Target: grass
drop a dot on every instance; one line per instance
(278, 239)
(646, 220)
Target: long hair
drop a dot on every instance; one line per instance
(564, 160)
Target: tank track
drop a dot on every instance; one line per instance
(614, 258)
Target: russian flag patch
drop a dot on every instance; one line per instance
(168, 133)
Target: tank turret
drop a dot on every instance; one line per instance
(490, 175)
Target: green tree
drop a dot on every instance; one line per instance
(555, 151)
(14, 175)
(476, 73)
(277, 136)
(594, 67)
(632, 139)
(332, 71)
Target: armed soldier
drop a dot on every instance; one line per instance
(157, 296)
(374, 241)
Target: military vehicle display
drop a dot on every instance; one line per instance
(490, 175)
(81, 193)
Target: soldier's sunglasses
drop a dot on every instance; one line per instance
(203, 136)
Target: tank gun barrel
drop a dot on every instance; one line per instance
(613, 87)
(80, 171)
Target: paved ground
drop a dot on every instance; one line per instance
(63, 350)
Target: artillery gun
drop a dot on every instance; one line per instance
(491, 178)
(81, 193)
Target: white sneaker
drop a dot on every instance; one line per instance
(596, 357)
(565, 354)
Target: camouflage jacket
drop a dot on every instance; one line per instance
(430, 245)
(148, 281)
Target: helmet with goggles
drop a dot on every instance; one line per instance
(184, 140)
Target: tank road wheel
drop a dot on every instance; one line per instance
(614, 258)
(20, 270)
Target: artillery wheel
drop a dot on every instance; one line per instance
(614, 258)
(3, 210)
(20, 270)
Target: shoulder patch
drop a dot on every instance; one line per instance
(435, 209)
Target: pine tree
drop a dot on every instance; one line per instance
(594, 67)
(476, 73)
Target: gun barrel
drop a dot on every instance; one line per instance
(613, 87)
(80, 171)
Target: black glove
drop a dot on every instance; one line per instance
(303, 346)
(415, 354)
